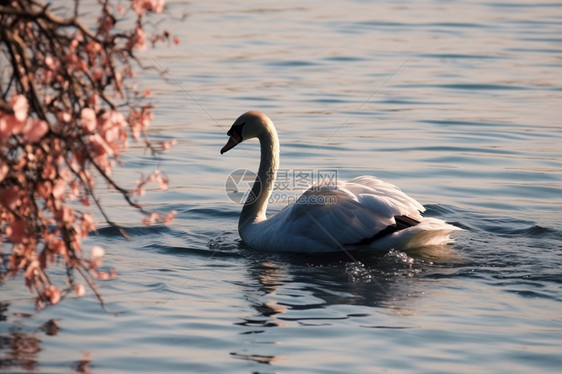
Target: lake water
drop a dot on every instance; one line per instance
(458, 103)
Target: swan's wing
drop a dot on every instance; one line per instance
(348, 213)
(368, 184)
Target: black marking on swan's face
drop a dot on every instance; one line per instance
(235, 136)
(236, 130)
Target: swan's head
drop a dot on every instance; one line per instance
(249, 125)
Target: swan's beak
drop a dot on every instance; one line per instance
(233, 141)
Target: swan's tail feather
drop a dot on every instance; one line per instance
(428, 232)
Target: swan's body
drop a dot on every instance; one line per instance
(362, 212)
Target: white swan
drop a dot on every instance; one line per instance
(363, 212)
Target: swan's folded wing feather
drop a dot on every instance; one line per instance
(349, 213)
(384, 189)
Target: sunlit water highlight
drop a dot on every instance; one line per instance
(456, 103)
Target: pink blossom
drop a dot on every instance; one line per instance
(104, 122)
(99, 145)
(57, 127)
(65, 215)
(9, 126)
(94, 101)
(17, 231)
(79, 290)
(170, 217)
(102, 275)
(49, 171)
(85, 201)
(10, 196)
(66, 175)
(87, 224)
(74, 189)
(53, 294)
(140, 6)
(152, 177)
(64, 116)
(20, 106)
(105, 164)
(150, 219)
(32, 269)
(166, 145)
(137, 40)
(139, 191)
(162, 182)
(97, 252)
(78, 37)
(58, 190)
(93, 47)
(73, 44)
(51, 63)
(111, 124)
(139, 121)
(58, 246)
(136, 129)
(4, 169)
(112, 135)
(128, 72)
(44, 190)
(98, 74)
(147, 116)
(89, 121)
(71, 59)
(35, 129)
(5, 125)
(52, 67)
(118, 119)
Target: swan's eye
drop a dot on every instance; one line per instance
(236, 129)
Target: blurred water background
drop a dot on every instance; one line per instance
(458, 103)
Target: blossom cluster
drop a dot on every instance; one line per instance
(67, 112)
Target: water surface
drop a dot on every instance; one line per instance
(458, 103)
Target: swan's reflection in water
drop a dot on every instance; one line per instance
(287, 288)
(368, 291)
(270, 277)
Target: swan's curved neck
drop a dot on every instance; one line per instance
(256, 205)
